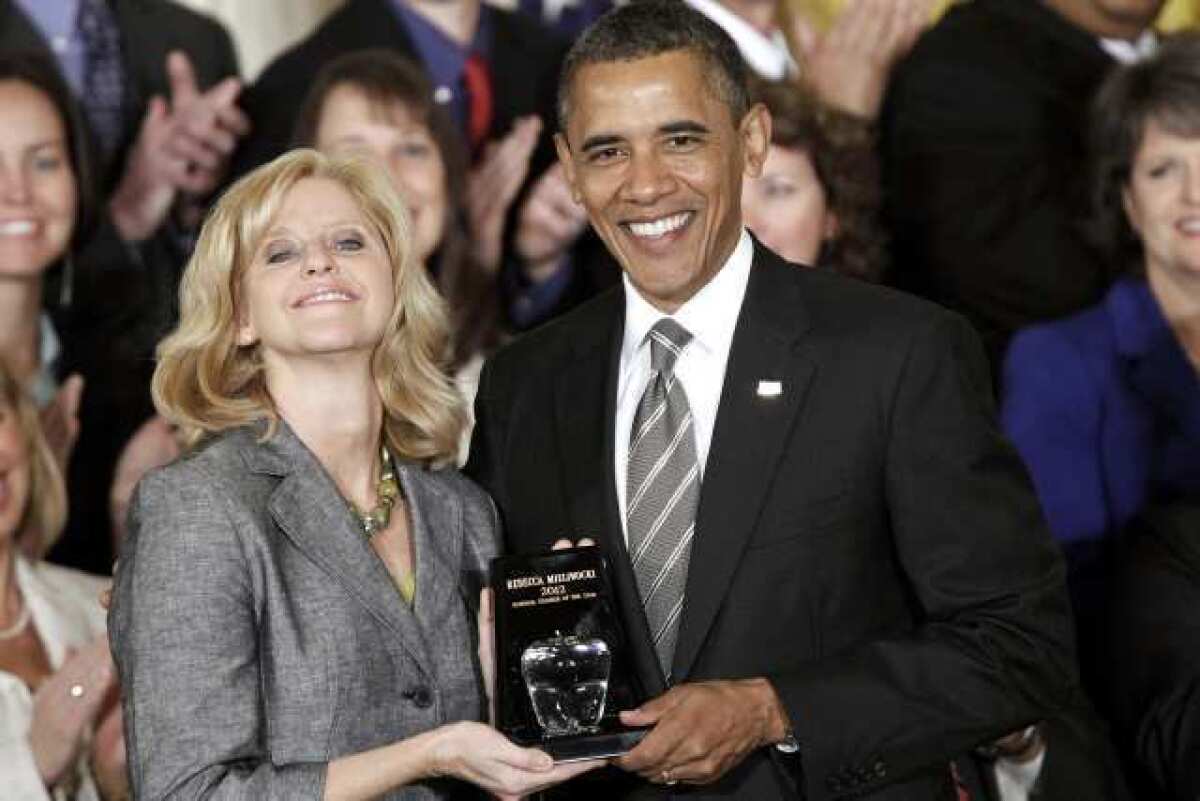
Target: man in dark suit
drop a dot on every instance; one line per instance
(984, 145)
(810, 516)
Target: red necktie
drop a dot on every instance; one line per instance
(478, 80)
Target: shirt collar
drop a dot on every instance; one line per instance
(766, 55)
(45, 382)
(442, 57)
(1138, 323)
(1128, 52)
(52, 19)
(710, 315)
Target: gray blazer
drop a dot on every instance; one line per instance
(258, 636)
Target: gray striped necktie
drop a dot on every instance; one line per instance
(662, 489)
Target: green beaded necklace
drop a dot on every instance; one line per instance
(387, 491)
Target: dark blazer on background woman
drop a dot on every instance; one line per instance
(249, 544)
(1105, 409)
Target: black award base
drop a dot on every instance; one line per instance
(563, 667)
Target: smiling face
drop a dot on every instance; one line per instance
(1162, 201)
(657, 160)
(1122, 19)
(37, 184)
(786, 206)
(1131, 16)
(14, 473)
(351, 123)
(319, 282)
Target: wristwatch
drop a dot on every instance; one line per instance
(789, 744)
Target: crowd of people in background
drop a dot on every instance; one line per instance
(1032, 165)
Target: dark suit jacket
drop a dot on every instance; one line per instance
(524, 63)
(258, 636)
(983, 140)
(867, 540)
(1155, 650)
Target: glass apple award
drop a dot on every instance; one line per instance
(567, 679)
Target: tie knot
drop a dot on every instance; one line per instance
(667, 341)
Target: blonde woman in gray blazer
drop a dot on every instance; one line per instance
(293, 612)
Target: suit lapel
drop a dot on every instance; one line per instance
(584, 398)
(17, 32)
(585, 408)
(749, 437)
(436, 522)
(309, 510)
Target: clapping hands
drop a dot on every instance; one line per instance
(848, 65)
(493, 184)
(65, 706)
(183, 148)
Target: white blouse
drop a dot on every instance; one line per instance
(65, 608)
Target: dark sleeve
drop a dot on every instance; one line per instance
(1155, 673)
(1080, 761)
(185, 637)
(992, 649)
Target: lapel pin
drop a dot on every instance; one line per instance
(769, 389)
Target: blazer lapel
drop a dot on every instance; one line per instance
(749, 436)
(585, 408)
(311, 513)
(1156, 365)
(436, 522)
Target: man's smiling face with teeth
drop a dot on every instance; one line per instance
(657, 159)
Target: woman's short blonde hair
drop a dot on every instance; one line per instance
(46, 508)
(205, 382)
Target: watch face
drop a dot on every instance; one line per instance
(788, 745)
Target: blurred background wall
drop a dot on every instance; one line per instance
(261, 29)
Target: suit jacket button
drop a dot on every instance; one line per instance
(879, 769)
(420, 696)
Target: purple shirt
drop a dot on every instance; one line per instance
(444, 58)
(55, 21)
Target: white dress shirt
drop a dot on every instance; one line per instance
(710, 316)
(1127, 52)
(766, 55)
(65, 608)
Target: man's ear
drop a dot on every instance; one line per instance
(755, 132)
(563, 149)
